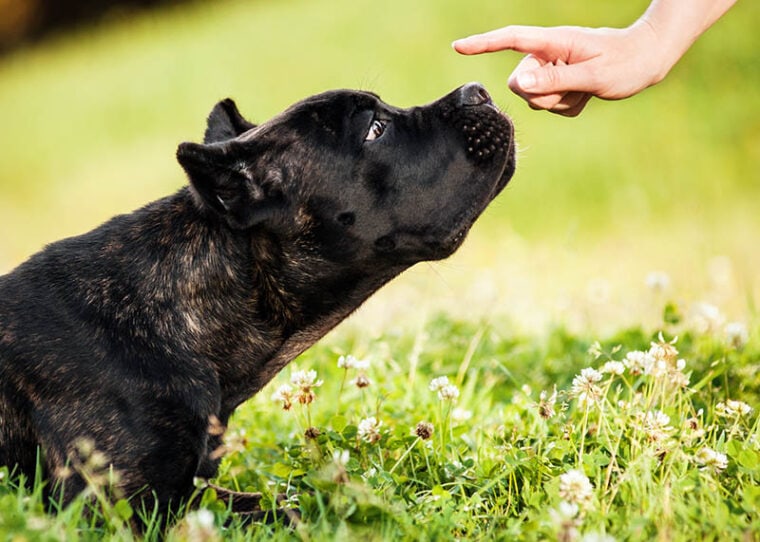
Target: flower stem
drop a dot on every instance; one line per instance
(403, 456)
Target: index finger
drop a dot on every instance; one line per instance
(549, 43)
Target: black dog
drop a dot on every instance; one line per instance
(142, 336)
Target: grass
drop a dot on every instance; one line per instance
(543, 439)
(666, 182)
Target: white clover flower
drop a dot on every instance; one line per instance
(448, 393)
(205, 518)
(566, 520)
(341, 457)
(369, 429)
(284, 395)
(638, 362)
(733, 409)
(706, 317)
(595, 350)
(460, 415)
(694, 429)
(200, 525)
(305, 379)
(473, 507)
(613, 368)
(656, 418)
(346, 362)
(439, 383)
(575, 488)
(677, 378)
(567, 509)
(665, 352)
(423, 430)
(660, 362)
(709, 458)
(361, 381)
(658, 281)
(37, 523)
(350, 362)
(361, 364)
(654, 424)
(597, 537)
(584, 387)
(546, 404)
(590, 375)
(737, 334)
(305, 382)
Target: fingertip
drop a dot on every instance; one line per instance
(463, 46)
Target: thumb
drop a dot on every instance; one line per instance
(552, 78)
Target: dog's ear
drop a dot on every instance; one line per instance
(224, 179)
(225, 122)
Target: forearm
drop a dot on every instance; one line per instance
(678, 23)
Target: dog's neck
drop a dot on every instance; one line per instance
(282, 297)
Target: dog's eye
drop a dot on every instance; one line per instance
(376, 129)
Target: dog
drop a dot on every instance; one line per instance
(142, 336)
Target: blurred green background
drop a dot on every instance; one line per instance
(666, 181)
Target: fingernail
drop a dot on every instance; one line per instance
(455, 42)
(526, 80)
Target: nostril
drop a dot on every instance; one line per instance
(474, 94)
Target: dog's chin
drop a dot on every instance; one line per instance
(450, 243)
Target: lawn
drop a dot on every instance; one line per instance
(638, 217)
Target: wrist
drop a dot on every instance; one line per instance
(676, 24)
(658, 49)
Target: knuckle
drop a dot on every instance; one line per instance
(552, 77)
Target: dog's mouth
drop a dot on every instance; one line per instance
(489, 144)
(487, 133)
(467, 219)
(458, 234)
(480, 166)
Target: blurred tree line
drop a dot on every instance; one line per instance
(24, 21)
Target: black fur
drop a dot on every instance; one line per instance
(145, 334)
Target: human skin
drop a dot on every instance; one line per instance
(566, 66)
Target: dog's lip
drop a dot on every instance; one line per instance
(487, 131)
(465, 221)
(467, 218)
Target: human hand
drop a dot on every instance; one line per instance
(567, 65)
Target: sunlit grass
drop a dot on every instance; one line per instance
(468, 430)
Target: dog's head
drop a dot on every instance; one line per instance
(353, 178)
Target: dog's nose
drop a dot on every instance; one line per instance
(473, 94)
